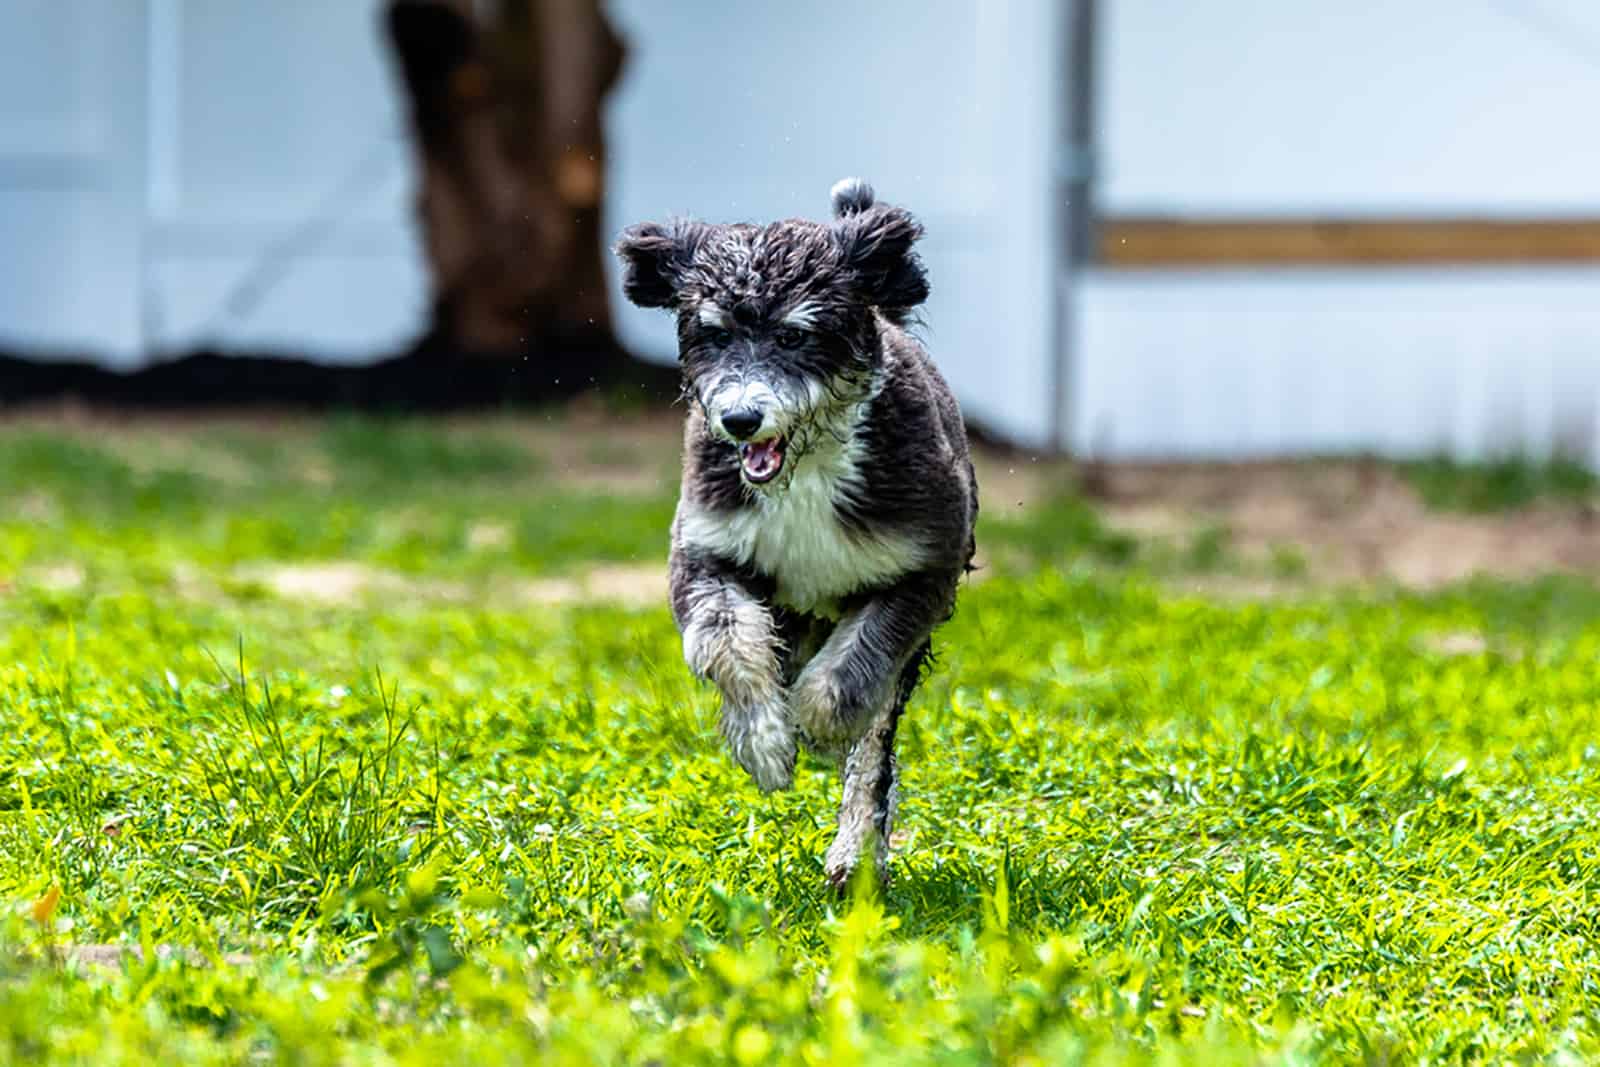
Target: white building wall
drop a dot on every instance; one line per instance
(1426, 107)
(1259, 108)
(228, 174)
(178, 173)
(71, 159)
(279, 181)
(1246, 364)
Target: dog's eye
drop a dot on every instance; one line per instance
(790, 337)
(719, 337)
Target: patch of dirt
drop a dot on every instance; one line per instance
(1348, 521)
(633, 585)
(1289, 523)
(346, 581)
(488, 536)
(1455, 643)
(1011, 482)
(336, 583)
(596, 450)
(57, 578)
(588, 448)
(35, 506)
(583, 447)
(645, 584)
(106, 956)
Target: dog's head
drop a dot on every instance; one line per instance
(777, 333)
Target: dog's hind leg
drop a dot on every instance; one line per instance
(871, 787)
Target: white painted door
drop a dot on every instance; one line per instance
(70, 176)
(280, 181)
(181, 173)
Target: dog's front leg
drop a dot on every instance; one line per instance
(855, 673)
(730, 637)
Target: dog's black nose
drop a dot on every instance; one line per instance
(742, 422)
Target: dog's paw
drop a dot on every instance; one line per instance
(827, 712)
(839, 877)
(817, 704)
(762, 739)
(841, 871)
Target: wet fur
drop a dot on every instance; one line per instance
(810, 601)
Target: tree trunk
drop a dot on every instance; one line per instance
(506, 101)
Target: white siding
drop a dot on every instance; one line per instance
(157, 157)
(280, 181)
(1234, 364)
(1264, 108)
(70, 174)
(1365, 106)
(164, 165)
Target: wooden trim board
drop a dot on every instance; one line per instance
(1130, 241)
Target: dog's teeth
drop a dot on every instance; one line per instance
(762, 459)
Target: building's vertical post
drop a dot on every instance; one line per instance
(1080, 132)
(163, 119)
(1074, 182)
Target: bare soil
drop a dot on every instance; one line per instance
(1351, 521)
(1340, 522)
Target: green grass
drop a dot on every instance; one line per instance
(1498, 485)
(401, 496)
(1139, 826)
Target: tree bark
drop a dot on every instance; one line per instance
(506, 100)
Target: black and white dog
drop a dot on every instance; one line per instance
(828, 500)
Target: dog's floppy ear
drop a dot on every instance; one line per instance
(877, 243)
(654, 258)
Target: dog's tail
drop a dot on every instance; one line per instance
(851, 196)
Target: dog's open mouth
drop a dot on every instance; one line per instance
(762, 460)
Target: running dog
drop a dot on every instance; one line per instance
(828, 501)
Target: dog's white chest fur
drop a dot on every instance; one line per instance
(795, 536)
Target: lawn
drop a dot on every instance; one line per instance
(326, 726)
